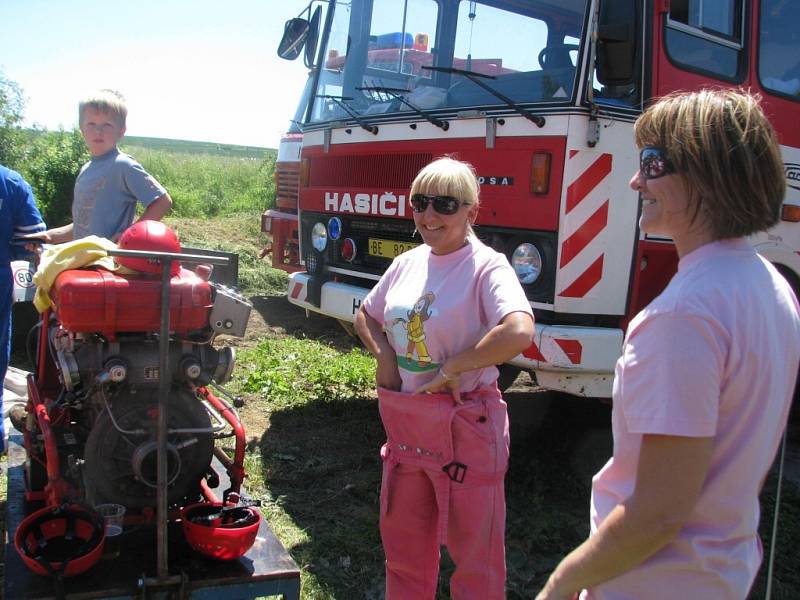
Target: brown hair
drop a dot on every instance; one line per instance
(109, 101)
(722, 144)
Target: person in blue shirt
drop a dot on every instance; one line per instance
(18, 217)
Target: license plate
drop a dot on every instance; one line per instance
(388, 248)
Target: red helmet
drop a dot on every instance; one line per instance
(220, 531)
(151, 236)
(61, 540)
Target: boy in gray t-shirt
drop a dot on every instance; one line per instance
(111, 183)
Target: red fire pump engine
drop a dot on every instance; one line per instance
(94, 428)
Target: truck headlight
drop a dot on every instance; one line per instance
(319, 237)
(527, 263)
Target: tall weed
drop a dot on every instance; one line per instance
(206, 185)
(52, 160)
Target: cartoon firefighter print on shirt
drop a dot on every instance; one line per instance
(416, 357)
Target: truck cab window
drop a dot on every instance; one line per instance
(401, 35)
(707, 37)
(779, 47)
(539, 65)
(378, 50)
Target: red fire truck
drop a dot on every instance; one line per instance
(540, 96)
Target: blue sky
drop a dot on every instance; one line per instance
(190, 69)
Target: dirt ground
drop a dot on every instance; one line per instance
(274, 316)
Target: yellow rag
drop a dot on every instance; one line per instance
(85, 252)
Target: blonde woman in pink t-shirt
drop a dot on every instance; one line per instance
(439, 320)
(704, 386)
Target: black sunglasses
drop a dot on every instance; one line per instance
(653, 163)
(444, 205)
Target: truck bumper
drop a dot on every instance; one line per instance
(576, 360)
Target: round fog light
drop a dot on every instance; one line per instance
(319, 236)
(527, 263)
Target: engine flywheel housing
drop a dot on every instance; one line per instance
(120, 462)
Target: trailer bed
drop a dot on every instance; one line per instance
(266, 569)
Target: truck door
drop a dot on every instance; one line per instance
(697, 44)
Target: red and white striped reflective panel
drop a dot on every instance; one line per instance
(584, 233)
(560, 352)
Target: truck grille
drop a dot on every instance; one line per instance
(384, 171)
(287, 185)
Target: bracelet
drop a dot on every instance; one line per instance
(447, 377)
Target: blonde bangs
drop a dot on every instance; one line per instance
(448, 177)
(108, 101)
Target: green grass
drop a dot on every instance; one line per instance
(289, 371)
(317, 473)
(210, 185)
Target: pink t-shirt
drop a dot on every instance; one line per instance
(433, 307)
(716, 354)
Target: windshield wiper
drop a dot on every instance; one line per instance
(396, 93)
(340, 101)
(474, 78)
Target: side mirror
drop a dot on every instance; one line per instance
(295, 33)
(618, 35)
(311, 37)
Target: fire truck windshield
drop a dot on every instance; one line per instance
(377, 52)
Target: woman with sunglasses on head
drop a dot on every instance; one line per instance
(446, 423)
(704, 385)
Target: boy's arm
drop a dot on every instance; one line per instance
(57, 235)
(157, 208)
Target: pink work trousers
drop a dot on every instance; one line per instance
(442, 484)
